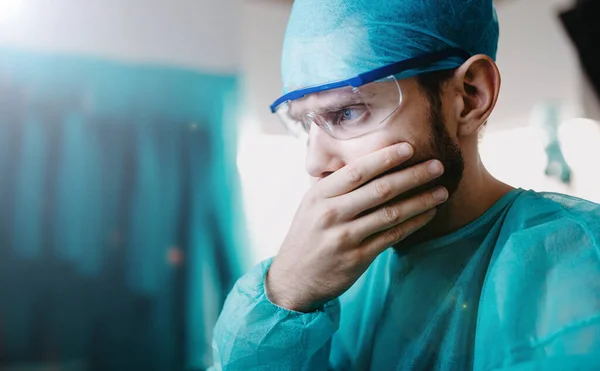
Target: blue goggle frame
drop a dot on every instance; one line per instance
(374, 75)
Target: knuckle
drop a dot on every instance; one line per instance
(417, 174)
(357, 258)
(382, 189)
(390, 214)
(343, 237)
(389, 157)
(354, 174)
(397, 234)
(425, 201)
(328, 216)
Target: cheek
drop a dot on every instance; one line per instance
(417, 135)
(410, 124)
(410, 127)
(367, 144)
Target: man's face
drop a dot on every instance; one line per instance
(423, 124)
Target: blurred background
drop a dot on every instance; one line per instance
(141, 172)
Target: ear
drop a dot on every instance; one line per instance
(477, 83)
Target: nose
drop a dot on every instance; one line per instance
(323, 154)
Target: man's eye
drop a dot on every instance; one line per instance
(350, 115)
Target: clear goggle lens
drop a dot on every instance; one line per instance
(345, 112)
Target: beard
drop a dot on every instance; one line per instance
(442, 147)
(447, 151)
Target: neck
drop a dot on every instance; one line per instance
(476, 193)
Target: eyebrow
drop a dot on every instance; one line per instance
(326, 104)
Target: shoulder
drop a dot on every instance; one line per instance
(549, 224)
(557, 229)
(544, 277)
(549, 239)
(532, 210)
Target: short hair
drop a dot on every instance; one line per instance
(433, 82)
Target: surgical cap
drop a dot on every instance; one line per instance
(334, 40)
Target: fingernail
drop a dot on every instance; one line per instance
(404, 149)
(440, 194)
(431, 212)
(435, 168)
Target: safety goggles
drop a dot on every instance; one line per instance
(350, 108)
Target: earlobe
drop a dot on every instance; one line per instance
(478, 84)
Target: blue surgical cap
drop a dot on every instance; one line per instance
(334, 40)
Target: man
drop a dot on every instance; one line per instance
(392, 95)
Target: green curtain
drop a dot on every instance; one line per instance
(120, 225)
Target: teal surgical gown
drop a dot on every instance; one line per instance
(517, 289)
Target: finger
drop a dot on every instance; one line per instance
(378, 243)
(386, 188)
(393, 214)
(364, 169)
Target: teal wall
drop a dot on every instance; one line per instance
(120, 220)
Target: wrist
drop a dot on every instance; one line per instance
(284, 297)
